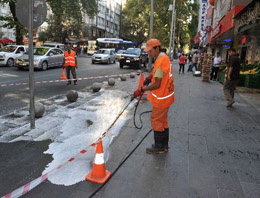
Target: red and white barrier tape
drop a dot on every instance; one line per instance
(29, 186)
(55, 81)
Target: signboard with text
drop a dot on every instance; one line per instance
(204, 4)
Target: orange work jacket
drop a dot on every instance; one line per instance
(164, 96)
(70, 59)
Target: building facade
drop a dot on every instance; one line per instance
(106, 24)
(247, 30)
(221, 36)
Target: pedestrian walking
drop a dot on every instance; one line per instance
(182, 63)
(195, 60)
(161, 96)
(179, 55)
(190, 58)
(232, 77)
(215, 67)
(70, 63)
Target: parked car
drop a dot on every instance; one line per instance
(10, 52)
(119, 53)
(133, 57)
(55, 45)
(104, 56)
(44, 58)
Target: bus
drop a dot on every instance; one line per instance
(115, 43)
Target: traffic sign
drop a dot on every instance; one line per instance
(39, 12)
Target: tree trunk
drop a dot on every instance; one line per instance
(18, 26)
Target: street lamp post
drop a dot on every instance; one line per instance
(151, 36)
(173, 44)
(172, 7)
(31, 68)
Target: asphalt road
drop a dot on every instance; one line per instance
(15, 97)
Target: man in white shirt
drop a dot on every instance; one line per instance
(215, 67)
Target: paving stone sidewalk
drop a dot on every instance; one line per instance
(214, 150)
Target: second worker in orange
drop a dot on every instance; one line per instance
(70, 63)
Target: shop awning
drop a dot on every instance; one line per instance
(226, 23)
(6, 41)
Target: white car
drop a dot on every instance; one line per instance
(104, 56)
(10, 52)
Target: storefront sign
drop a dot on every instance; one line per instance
(216, 30)
(250, 16)
(204, 4)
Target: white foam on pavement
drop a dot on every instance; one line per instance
(73, 128)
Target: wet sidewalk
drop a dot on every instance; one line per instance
(214, 150)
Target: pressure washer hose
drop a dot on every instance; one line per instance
(124, 160)
(140, 116)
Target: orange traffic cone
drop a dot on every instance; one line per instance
(63, 76)
(98, 174)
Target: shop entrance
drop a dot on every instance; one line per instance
(243, 54)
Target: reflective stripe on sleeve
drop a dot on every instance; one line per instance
(161, 98)
(99, 159)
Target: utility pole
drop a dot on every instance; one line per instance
(173, 44)
(172, 28)
(151, 36)
(31, 67)
(110, 22)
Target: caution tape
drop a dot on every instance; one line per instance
(57, 81)
(31, 185)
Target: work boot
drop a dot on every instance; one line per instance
(158, 147)
(230, 103)
(166, 139)
(68, 83)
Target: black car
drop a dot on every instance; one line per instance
(133, 57)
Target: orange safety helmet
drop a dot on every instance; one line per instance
(151, 43)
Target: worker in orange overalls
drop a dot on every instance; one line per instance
(161, 96)
(70, 63)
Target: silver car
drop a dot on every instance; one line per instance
(104, 56)
(44, 58)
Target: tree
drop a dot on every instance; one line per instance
(136, 20)
(135, 16)
(67, 17)
(12, 21)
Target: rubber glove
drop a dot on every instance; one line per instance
(148, 80)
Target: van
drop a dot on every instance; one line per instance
(55, 45)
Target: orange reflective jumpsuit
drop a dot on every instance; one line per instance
(162, 97)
